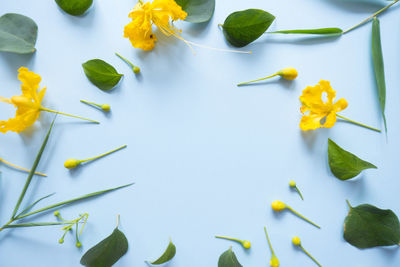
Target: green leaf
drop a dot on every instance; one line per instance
(74, 7)
(243, 27)
(379, 69)
(322, 31)
(33, 204)
(367, 226)
(107, 252)
(343, 164)
(101, 74)
(168, 255)
(18, 34)
(228, 259)
(198, 10)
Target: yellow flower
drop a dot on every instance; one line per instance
(316, 109)
(159, 13)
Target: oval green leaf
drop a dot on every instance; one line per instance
(198, 10)
(107, 252)
(379, 69)
(367, 226)
(101, 74)
(228, 259)
(168, 255)
(18, 34)
(322, 31)
(243, 27)
(74, 7)
(343, 164)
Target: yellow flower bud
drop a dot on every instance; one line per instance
(288, 73)
(278, 205)
(56, 213)
(296, 241)
(246, 244)
(274, 262)
(61, 241)
(136, 70)
(71, 163)
(106, 107)
(78, 244)
(292, 184)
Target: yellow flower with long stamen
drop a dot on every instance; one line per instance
(28, 104)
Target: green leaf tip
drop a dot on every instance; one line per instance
(167, 256)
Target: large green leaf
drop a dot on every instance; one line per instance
(322, 31)
(377, 58)
(198, 10)
(228, 259)
(168, 255)
(243, 27)
(367, 226)
(18, 34)
(74, 7)
(107, 252)
(101, 74)
(345, 165)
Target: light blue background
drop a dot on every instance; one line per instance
(207, 157)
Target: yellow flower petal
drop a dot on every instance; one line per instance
(311, 121)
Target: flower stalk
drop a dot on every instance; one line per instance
(274, 262)
(20, 168)
(280, 206)
(246, 244)
(293, 185)
(296, 241)
(104, 107)
(66, 114)
(135, 69)
(357, 123)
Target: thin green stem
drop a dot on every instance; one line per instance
(269, 242)
(298, 191)
(105, 154)
(90, 103)
(309, 255)
(124, 59)
(229, 238)
(348, 203)
(357, 123)
(273, 75)
(5, 226)
(20, 168)
(301, 216)
(69, 115)
(370, 17)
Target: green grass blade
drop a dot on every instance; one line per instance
(377, 58)
(33, 204)
(73, 200)
(322, 31)
(32, 172)
(20, 225)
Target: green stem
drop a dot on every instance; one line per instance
(370, 17)
(229, 238)
(105, 154)
(298, 191)
(301, 216)
(309, 255)
(90, 103)
(348, 203)
(65, 114)
(269, 242)
(273, 75)
(124, 59)
(5, 226)
(360, 124)
(20, 168)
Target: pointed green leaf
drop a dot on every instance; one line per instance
(74, 7)
(198, 10)
(33, 204)
(322, 31)
(367, 226)
(243, 27)
(101, 74)
(345, 165)
(107, 252)
(377, 58)
(168, 255)
(18, 34)
(228, 259)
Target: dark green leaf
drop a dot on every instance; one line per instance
(323, 31)
(74, 7)
(107, 252)
(345, 165)
(243, 27)
(18, 34)
(198, 10)
(168, 254)
(228, 259)
(101, 74)
(379, 69)
(367, 226)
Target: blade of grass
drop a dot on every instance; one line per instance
(33, 204)
(20, 225)
(32, 172)
(72, 201)
(322, 31)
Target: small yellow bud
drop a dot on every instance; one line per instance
(288, 73)
(136, 70)
(61, 241)
(278, 205)
(106, 107)
(296, 241)
(71, 163)
(246, 244)
(292, 184)
(56, 213)
(78, 244)
(274, 262)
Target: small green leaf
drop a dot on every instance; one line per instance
(18, 34)
(367, 226)
(32, 205)
(228, 259)
(107, 252)
(243, 27)
(74, 7)
(322, 31)
(168, 255)
(198, 10)
(343, 164)
(101, 74)
(379, 69)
